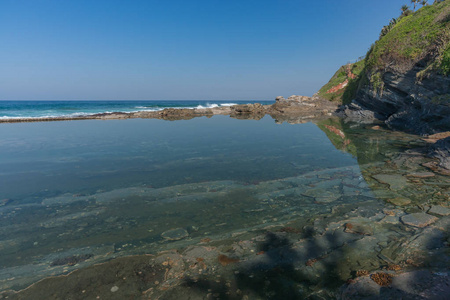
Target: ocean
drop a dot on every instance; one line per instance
(49, 109)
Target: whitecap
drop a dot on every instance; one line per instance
(228, 104)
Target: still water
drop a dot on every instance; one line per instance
(235, 192)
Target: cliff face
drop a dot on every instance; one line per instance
(405, 76)
(407, 104)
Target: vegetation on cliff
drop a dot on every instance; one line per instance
(420, 39)
(343, 84)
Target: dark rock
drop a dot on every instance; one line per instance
(356, 113)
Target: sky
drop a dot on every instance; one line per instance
(181, 50)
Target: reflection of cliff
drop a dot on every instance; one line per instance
(394, 164)
(333, 128)
(367, 143)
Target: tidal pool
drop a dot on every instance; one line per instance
(221, 208)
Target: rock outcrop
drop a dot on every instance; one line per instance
(254, 111)
(301, 106)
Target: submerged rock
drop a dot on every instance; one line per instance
(362, 228)
(439, 210)
(400, 201)
(175, 234)
(382, 278)
(422, 174)
(4, 202)
(225, 260)
(418, 219)
(395, 181)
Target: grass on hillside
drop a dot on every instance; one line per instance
(412, 39)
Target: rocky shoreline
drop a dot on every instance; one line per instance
(292, 108)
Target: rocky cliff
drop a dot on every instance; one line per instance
(405, 77)
(410, 105)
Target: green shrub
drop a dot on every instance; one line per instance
(445, 64)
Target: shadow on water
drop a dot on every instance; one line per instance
(282, 273)
(278, 274)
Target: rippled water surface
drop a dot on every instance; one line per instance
(249, 196)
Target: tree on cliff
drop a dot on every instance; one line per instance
(405, 10)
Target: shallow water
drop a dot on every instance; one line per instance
(83, 192)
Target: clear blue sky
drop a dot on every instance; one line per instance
(179, 49)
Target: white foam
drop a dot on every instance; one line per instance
(8, 117)
(150, 109)
(207, 106)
